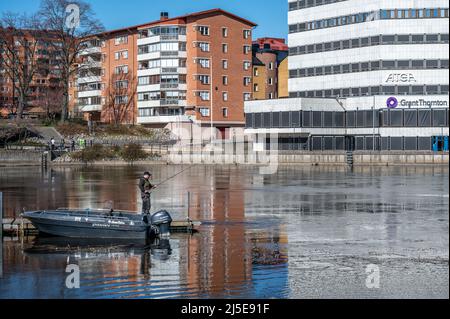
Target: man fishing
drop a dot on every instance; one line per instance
(146, 187)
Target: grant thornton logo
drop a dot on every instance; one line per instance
(392, 102)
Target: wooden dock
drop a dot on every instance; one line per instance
(23, 227)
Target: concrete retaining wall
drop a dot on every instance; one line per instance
(20, 157)
(313, 158)
(401, 159)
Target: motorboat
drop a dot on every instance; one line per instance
(100, 224)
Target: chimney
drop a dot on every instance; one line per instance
(164, 16)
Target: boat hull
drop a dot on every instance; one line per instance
(90, 226)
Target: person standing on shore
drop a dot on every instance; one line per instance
(146, 187)
(52, 143)
(72, 145)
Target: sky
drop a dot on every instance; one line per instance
(270, 15)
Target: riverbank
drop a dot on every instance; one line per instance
(33, 157)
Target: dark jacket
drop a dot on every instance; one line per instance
(145, 185)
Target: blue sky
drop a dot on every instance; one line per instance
(270, 15)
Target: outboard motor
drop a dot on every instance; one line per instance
(160, 249)
(162, 220)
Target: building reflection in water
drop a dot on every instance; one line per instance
(227, 258)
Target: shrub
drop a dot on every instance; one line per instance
(133, 152)
(72, 129)
(95, 153)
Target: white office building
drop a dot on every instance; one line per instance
(363, 75)
(365, 47)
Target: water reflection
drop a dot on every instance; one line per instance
(302, 232)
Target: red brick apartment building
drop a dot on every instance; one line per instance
(44, 92)
(173, 72)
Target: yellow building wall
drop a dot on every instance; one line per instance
(283, 77)
(259, 80)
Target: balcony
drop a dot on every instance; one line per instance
(89, 79)
(89, 93)
(90, 108)
(91, 64)
(169, 70)
(173, 86)
(163, 119)
(162, 103)
(91, 50)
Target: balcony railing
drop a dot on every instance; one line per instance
(169, 37)
(170, 102)
(169, 70)
(88, 75)
(169, 53)
(170, 85)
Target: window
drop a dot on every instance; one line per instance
(247, 96)
(247, 65)
(247, 49)
(403, 39)
(204, 63)
(225, 32)
(204, 79)
(121, 40)
(225, 80)
(204, 95)
(256, 72)
(122, 84)
(144, 80)
(417, 64)
(225, 48)
(203, 30)
(270, 96)
(247, 34)
(123, 69)
(204, 112)
(224, 64)
(121, 99)
(247, 81)
(225, 96)
(224, 112)
(121, 54)
(204, 46)
(256, 87)
(271, 66)
(432, 64)
(270, 81)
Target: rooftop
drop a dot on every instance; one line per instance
(164, 19)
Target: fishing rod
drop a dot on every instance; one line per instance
(166, 180)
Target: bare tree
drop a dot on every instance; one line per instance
(70, 22)
(20, 44)
(120, 95)
(51, 100)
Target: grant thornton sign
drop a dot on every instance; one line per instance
(393, 102)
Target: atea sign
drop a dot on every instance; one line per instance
(401, 78)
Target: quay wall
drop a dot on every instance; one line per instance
(33, 157)
(20, 157)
